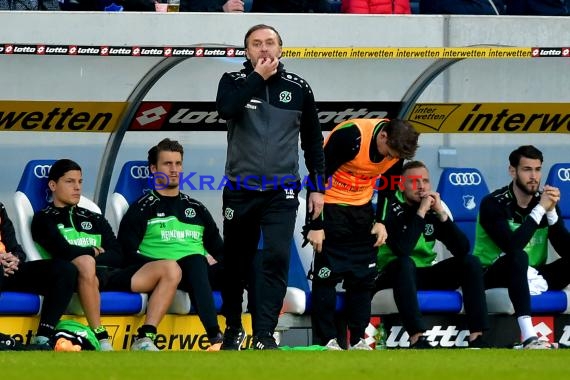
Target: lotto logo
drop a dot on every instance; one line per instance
(151, 116)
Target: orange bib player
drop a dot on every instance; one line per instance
(346, 235)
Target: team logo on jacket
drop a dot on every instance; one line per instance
(324, 272)
(228, 213)
(86, 225)
(429, 229)
(190, 212)
(285, 96)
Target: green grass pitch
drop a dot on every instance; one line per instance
(289, 365)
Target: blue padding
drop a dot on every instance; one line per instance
(340, 301)
(439, 301)
(552, 301)
(34, 183)
(133, 181)
(19, 303)
(217, 302)
(559, 176)
(121, 303)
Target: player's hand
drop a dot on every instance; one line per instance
(235, 6)
(316, 203)
(379, 230)
(550, 197)
(266, 67)
(316, 237)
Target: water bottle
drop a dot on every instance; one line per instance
(380, 337)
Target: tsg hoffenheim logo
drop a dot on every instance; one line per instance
(469, 202)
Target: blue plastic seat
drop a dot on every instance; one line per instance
(559, 176)
(463, 189)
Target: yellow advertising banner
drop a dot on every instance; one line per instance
(175, 333)
(60, 116)
(491, 117)
(482, 52)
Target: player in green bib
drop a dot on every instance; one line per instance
(415, 218)
(514, 226)
(66, 231)
(168, 224)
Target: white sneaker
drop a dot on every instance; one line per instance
(361, 345)
(536, 344)
(105, 345)
(40, 340)
(333, 345)
(144, 344)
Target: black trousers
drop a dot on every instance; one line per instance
(249, 214)
(450, 274)
(510, 271)
(55, 279)
(195, 281)
(348, 255)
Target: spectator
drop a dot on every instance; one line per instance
(65, 231)
(515, 224)
(462, 7)
(266, 109)
(376, 6)
(54, 279)
(357, 152)
(537, 7)
(235, 6)
(290, 6)
(166, 224)
(415, 218)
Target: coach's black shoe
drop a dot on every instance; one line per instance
(233, 339)
(264, 341)
(421, 344)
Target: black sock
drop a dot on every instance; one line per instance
(213, 332)
(147, 331)
(46, 330)
(101, 333)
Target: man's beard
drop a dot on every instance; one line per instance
(526, 188)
